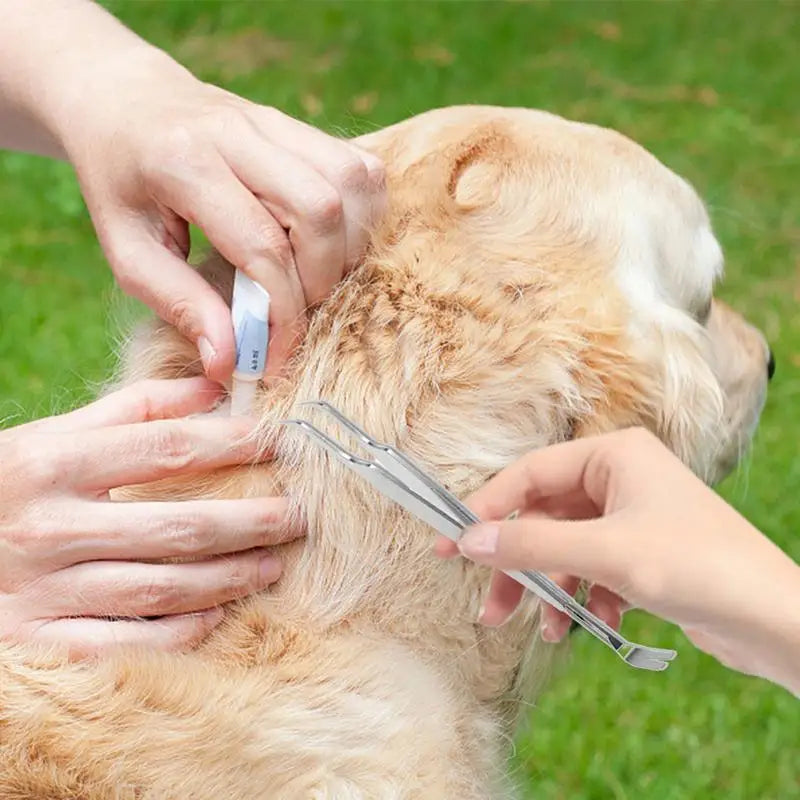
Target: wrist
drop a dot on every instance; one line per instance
(782, 665)
(770, 644)
(103, 93)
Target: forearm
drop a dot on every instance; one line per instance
(51, 54)
(781, 662)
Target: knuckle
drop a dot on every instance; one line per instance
(172, 449)
(271, 517)
(160, 595)
(177, 139)
(270, 115)
(351, 173)
(143, 398)
(188, 534)
(16, 536)
(224, 116)
(268, 238)
(242, 576)
(33, 535)
(326, 211)
(181, 313)
(376, 171)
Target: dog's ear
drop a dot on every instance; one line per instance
(480, 169)
(692, 415)
(155, 349)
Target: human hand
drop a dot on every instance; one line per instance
(72, 562)
(284, 202)
(623, 513)
(155, 149)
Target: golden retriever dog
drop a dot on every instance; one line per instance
(532, 280)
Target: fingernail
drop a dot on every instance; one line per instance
(269, 570)
(556, 631)
(207, 352)
(443, 548)
(479, 541)
(546, 633)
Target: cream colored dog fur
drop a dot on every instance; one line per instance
(532, 280)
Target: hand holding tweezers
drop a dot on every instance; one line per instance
(398, 478)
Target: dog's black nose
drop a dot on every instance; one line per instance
(770, 366)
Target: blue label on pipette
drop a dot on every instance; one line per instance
(252, 339)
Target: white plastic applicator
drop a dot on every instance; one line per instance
(250, 313)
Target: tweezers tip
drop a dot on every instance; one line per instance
(649, 661)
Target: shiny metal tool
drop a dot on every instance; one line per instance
(400, 479)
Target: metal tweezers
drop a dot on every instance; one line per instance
(398, 478)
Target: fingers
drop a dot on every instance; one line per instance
(444, 547)
(583, 547)
(602, 602)
(155, 530)
(142, 402)
(357, 176)
(555, 624)
(552, 471)
(147, 269)
(607, 605)
(132, 589)
(505, 594)
(106, 458)
(503, 597)
(86, 636)
(247, 235)
(302, 201)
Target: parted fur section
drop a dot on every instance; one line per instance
(532, 280)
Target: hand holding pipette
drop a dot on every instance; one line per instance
(283, 201)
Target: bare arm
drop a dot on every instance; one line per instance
(44, 46)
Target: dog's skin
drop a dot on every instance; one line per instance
(533, 280)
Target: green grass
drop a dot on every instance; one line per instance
(709, 88)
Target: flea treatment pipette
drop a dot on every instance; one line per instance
(250, 313)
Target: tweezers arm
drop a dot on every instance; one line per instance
(549, 591)
(401, 480)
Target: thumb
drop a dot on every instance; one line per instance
(581, 548)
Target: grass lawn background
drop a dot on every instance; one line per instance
(711, 89)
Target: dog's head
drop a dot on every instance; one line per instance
(532, 280)
(589, 268)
